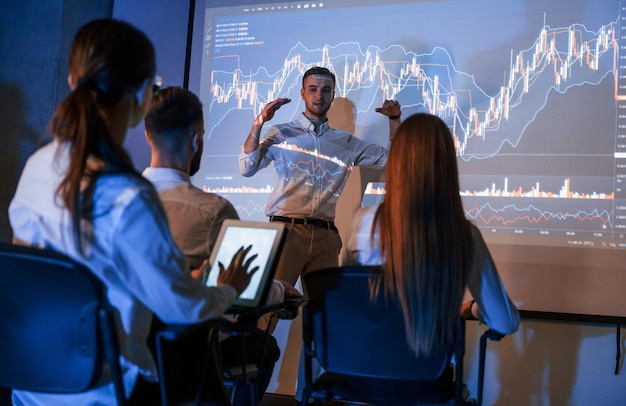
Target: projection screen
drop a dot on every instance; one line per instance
(534, 93)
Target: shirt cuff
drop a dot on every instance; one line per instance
(276, 293)
(230, 292)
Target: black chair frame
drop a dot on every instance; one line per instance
(56, 328)
(340, 329)
(216, 385)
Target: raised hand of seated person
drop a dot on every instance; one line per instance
(237, 274)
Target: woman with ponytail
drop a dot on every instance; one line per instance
(80, 195)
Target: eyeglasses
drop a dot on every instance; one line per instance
(157, 84)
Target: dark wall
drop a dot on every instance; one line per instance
(34, 38)
(165, 22)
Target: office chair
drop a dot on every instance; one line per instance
(197, 346)
(353, 338)
(188, 364)
(245, 375)
(56, 327)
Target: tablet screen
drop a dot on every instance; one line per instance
(266, 240)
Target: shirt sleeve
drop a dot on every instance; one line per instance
(226, 211)
(495, 308)
(371, 155)
(153, 267)
(358, 247)
(251, 163)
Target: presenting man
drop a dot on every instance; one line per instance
(311, 163)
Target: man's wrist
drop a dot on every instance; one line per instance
(395, 117)
(258, 121)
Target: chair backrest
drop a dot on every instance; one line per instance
(56, 327)
(356, 336)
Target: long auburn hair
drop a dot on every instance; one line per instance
(108, 59)
(424, 236)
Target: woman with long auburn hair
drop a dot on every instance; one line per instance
(81, 196)
(430, 253)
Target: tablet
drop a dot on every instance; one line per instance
(267, 241)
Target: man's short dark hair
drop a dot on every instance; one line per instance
(173, 112)
(173, 108)
(318, 70)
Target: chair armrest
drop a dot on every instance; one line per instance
(176, 332)
(290, 308)
(287, 310)
(493, 335)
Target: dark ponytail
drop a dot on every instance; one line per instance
(108, 60)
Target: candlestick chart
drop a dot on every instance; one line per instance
(534, 96)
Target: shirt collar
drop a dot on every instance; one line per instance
(308, 125)
(165, 174)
